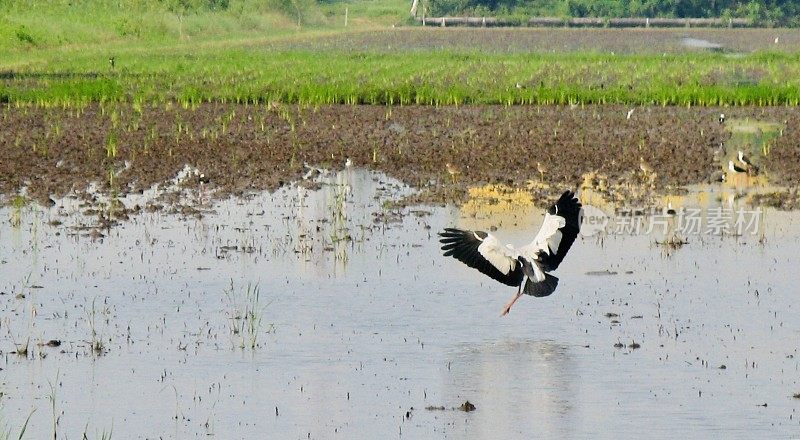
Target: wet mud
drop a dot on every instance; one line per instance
(47, 153)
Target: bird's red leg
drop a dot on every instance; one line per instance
(507, 308)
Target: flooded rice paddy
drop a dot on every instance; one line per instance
(320, 310)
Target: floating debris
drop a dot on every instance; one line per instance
(467, 406)
(673, 243)
(601, 272)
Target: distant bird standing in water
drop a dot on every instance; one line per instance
(452, 170)
(644, 166)
(646, 169)
(748, 165)
(528, 265)
(732, 167)
(542, 169)
(718, 176)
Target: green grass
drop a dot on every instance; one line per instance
(60, 56)
(256, 74)
(366, 12)
(27, 27)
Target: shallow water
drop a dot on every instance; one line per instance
(358, 337)
(699, 43)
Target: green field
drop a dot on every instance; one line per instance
(247, 54)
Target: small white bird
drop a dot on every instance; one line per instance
(777, 39)
(630, 113)
(722, 118)
(482, 251)
(348, 163)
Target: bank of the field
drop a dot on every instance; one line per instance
(28, 27)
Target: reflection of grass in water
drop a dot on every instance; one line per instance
(53, 398)
(496, 199)
(96, 342)
(754, 137)
(246, 315)
(672, 244)
(22, 349)
(340, 233)
(18, 203)
(114, 205)
(6, 434)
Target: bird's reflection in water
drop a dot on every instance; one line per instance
(518, 387)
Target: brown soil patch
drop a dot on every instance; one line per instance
(53, 151)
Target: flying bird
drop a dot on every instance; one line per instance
(527, 267)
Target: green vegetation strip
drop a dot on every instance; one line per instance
(412, 77)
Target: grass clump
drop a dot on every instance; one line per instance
(245, 315)
(8, 435)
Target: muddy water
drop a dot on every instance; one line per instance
(358, 336)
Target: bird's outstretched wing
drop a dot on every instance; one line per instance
(482, 251)
(559, 229)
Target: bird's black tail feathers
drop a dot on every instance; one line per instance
(542, 288)
(534, 288)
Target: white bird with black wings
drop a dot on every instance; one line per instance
(528, 265)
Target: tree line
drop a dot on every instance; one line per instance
(770, 12)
